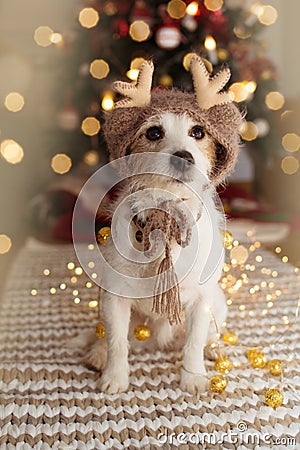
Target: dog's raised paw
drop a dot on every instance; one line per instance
(113, 382)
(192, 383)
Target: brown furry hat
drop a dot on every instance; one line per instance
(208, 107)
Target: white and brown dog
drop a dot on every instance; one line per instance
(177, 147)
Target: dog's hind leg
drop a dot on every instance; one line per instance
(116, 313)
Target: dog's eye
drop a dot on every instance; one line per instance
(154, 133)
(197, 132)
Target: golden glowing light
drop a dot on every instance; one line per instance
(290, 165)
(213, 5)
(11, 151)
(240, 91)
(132, 74)
(107, 102)
(5, 244)
(267, 15)
(139, 31)
(176, 9)
(99, 69)
(88, 17)
(136, 63)
(91, 158)
(78, 271)
(93, 304)
(56, 38)
(192, 9)
(210, 43)
(71, 265)
(249, 131)
(14, 101)
(90, 126)
(241, 32)
(291, 142)
(250, 86)
(186, 60)
(61, 163)
(166, 80)
(274, 100)
(33, 292)
(239, 254)
(42, 36)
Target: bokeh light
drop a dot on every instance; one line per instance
(88, 17)
(61, 163)
(56, 38)
(213, 5)
(289, 165)
(274, 100)
(186, 60)
(192, 9)
(210, 43)
(42, 36)
(249, 131)
(90, 126)
(267, 15)
(132, 74)
(14, 101)
(291, 142)
(5, 244)
(139, 31)
(11, 151)
(107, 102)
(176, 9)
(239, 254)
(241, 91)
(91, 158)
(99, 69)
(166, 80)
(136, 63)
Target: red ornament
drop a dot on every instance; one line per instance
(168, 36)
(141, 11)
(120, 27)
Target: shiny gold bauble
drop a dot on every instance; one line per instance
(254, 352)
(275, 367)
(222, 365)
(142, 332)
(258, 361)
(227, 239)
(274, 397)
(100, 330)
(230, 338)
(103, 234)
(218, 383)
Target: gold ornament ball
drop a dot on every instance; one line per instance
(275, 367)
(222, 365)
(258, 361)
(230, 338)
(227, 239)
(254, 352)
(142, 332)
(100, 330)
(103, 234)
(218, 383)
(274, 397)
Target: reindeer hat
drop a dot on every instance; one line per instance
(209, 106)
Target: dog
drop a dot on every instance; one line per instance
(175, 148)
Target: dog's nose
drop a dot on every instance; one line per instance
(182, 159)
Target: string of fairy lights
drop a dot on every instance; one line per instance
(238, 276)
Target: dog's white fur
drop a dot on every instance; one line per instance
(199, 300)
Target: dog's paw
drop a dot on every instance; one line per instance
(194, 384)
(96, 356)
(113, 382)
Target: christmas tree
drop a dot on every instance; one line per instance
(112, 38)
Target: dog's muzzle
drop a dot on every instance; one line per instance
(182, 160)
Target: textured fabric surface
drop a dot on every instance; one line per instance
(50, 400)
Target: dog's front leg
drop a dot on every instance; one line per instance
(193, 372)
(116, 312)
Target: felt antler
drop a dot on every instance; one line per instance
(138, 94)
(207, 89)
